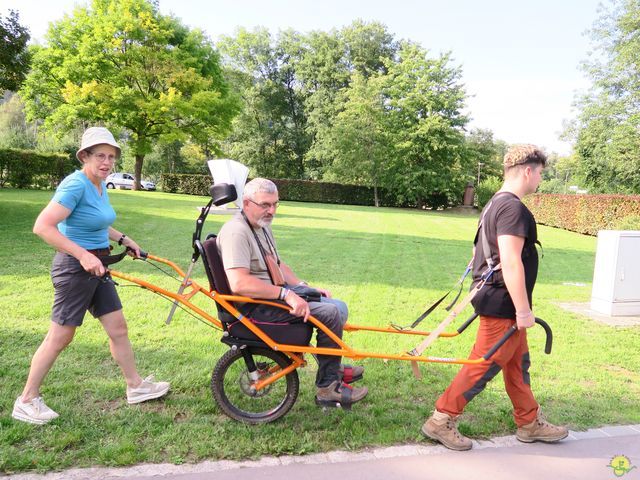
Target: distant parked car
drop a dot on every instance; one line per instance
(126, 181)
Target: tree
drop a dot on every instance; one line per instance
(425, 102)
(14, 55)
(485, 154)
(358, 140)
(607, 130)
(270, 132)
(329, 64)
(368, 46)
(15, 132)
(123, 64)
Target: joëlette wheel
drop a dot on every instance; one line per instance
(232, 386)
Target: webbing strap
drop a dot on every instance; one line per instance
(482, 232)
(416, 352)
(428, 311)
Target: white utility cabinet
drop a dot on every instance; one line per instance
(616, 277)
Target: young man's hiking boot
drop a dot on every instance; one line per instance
(541, 430)
(442, 428)
(339, 394)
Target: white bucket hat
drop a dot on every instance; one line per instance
(97, 136)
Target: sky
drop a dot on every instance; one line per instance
(520, 60)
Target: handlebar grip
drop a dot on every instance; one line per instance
(467, 322)
(143, 254)
(547, 330)
(547, 346)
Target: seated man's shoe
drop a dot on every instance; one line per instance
(541, 431)
(147, 390)
(340, 394)
(442, 428)
(351, 373)
(35, 411)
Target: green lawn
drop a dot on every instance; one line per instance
(386, 263)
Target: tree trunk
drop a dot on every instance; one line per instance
(138, 171)
(376, 200)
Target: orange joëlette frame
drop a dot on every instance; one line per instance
(192, 288)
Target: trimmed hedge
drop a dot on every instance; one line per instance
(185, 183)
(294, 190)
(27, 168)
(324, 192)
(585, 213)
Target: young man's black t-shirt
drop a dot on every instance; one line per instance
(506, 215)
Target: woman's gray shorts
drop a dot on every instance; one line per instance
(77, 291)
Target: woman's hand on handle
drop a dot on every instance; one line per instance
(132, 247)
(92, 264)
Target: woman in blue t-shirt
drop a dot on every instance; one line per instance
(77, 223)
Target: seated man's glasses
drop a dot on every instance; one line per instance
(265, 205)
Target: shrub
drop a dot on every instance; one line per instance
(584, 213)
(308, 191)
(632, 222)
(185, 183)
(295, 190)
(27, 168)
(487, 189)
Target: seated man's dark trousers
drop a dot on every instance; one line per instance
(327, 313)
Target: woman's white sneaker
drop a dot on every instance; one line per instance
(35, 411)
(147, 390)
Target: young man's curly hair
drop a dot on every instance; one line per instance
(523, 155)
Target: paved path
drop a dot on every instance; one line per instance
(583, 455)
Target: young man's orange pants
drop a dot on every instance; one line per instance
(512, 358)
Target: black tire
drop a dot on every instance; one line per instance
(110, 185)
(230, 387)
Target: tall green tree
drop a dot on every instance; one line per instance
(14, 55)
(15, 131)
(425, 100)
(607, 130)
(485, 154)
(368, 47)
(324, 72)
(270, 132)
(330, 61)
(358, 141)
(123, 64)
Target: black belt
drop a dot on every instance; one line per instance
(100, 252)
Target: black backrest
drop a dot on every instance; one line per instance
(213, 266)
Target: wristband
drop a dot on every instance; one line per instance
(302, 282)
(122, 239)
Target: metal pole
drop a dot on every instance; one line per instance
(480, 164)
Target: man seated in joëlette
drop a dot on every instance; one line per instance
(254, 269)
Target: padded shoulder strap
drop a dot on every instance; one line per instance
(482, 233)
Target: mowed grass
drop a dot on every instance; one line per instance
(386, 263)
